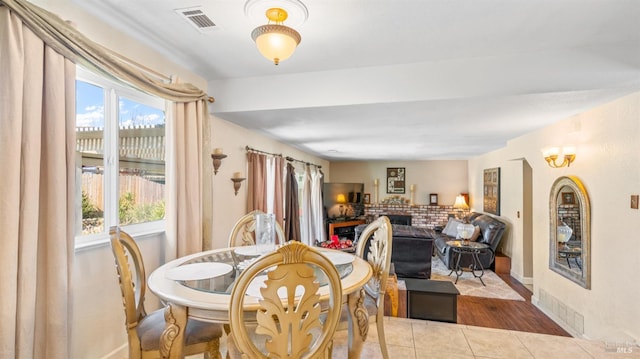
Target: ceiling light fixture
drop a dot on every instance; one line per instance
(275, 41)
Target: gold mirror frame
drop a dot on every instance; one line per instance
(582, 200)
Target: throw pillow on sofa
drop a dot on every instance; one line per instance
(451, 229)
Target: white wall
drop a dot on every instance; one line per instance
(608, 163)
(447, 178)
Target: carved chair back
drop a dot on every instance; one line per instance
(290, 308)
(243, 232)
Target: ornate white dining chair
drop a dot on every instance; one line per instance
(144, 330)
(374, 245)
(288, 318)
(243, 232)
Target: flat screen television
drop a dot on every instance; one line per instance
(348, 195)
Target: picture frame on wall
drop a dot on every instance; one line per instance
(366, 198)
(568, 198)
(491, 186)
(396, 180)
(433, 199)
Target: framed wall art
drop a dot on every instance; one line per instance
(395, 179)
(367, 198)
(433, 199)
(491, 202)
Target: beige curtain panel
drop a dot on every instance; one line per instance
(37, 188)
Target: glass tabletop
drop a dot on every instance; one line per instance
(226, 265)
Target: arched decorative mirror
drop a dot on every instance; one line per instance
(570, 232)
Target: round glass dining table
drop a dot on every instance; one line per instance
(199, 286)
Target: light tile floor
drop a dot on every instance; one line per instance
(422, 339)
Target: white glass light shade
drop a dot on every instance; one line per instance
(276, 42)
(564, 233)
(465, 230)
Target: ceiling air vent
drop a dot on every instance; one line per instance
(197, 18)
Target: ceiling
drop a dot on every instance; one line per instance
(400, 79)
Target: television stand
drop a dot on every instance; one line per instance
(344, 229)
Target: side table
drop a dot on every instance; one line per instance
(432, 299)
(468, 248)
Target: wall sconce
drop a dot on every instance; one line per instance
(237, 181)
(461, 205)
(553, 153)
(412, 189)
(217, 157)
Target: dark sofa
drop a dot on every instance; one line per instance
(491, 231)
(411, 250)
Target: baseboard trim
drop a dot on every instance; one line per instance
(521, 279)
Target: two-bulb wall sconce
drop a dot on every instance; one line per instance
(217, 156)
(552, 154)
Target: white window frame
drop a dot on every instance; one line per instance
(112, 91)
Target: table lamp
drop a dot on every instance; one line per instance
(465, 231)
(341, 199)
(461, 205)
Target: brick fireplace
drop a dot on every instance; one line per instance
(427, 216)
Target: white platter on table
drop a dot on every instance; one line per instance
(247, 251)
(198, 271)
(338, 257)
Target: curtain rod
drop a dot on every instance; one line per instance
(263, 152)
(288, 158)
(291, 159)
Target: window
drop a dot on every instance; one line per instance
(120, 147)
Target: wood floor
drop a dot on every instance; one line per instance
(507, 314)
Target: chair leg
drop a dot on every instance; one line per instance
(213, 350)
(329, 353)
(381, 336)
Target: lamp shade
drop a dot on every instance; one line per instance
(465, 230)
(460, 203)
(341, 199)
(276, 42)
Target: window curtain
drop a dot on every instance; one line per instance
(306, 227)
(37, 143)
(257, 182)
(317, 210)
(278, 193)
(184, 219)
(292, 214)
(185, 229)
